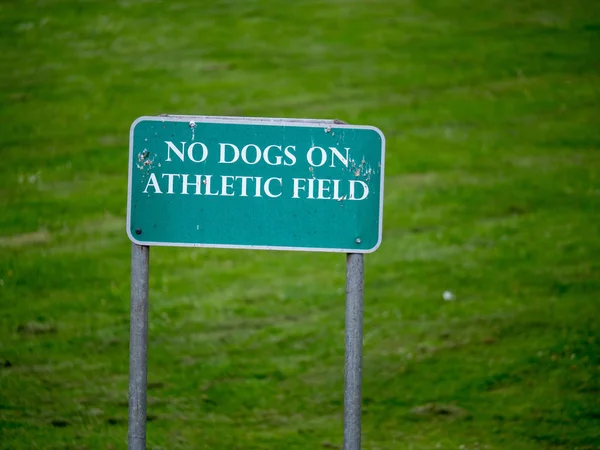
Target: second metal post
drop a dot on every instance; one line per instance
(355, 273)
(138, 347)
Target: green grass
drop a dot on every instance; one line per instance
(491, 112)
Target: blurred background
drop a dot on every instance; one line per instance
(481, 306)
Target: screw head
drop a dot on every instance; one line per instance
(138, 231)
(358, 240)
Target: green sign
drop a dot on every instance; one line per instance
(272, 184)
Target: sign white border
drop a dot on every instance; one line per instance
(254, 121)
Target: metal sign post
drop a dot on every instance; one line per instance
(355, 273)
(271, 184)
(138, 347)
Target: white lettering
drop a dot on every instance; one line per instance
(288, 153)
(257, 192)
(336, 190)
(244, 181)
(268, 190)
(311, 188)
(170, 177)
(278, 158)
(153, 182)
(204, 152)
(185, 183)
(336, 153)
(207, 179)
(245, 154)
(309, 156)
(365, 190)
(297, 186)
(225, 186)
(236, 153)
(321, 189)
(171, 146)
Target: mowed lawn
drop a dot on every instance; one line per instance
(491, 110)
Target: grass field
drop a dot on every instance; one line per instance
(491, 111)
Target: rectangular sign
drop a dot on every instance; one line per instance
(256, 183)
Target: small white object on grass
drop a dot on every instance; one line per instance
(448, 296)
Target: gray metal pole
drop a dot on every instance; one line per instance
(138, 347)
(355, 276)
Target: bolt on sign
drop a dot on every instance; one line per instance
(255, 183)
